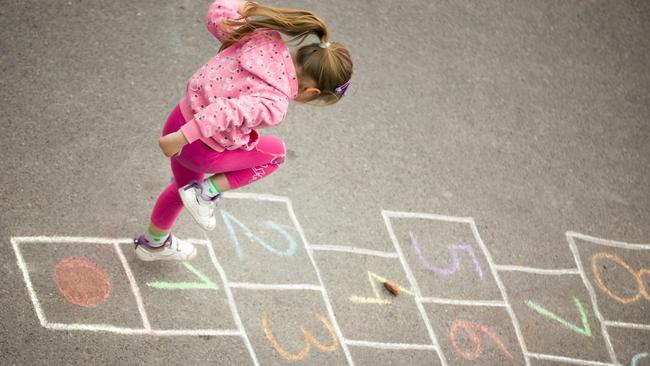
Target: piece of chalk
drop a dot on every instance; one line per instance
(392, 288)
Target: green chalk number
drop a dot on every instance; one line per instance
(585, 330)
(204, 282)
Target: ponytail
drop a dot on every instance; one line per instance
(295, 23)
(329, 65)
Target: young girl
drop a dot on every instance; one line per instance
(245, 87)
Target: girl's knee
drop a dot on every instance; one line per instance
(274, 147)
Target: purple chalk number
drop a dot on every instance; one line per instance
(455, 266)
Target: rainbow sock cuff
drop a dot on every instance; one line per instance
(213, 190)
(157, 237)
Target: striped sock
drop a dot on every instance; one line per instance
(156, 239)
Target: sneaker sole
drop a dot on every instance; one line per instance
(181, 193)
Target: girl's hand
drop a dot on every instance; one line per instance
(172, 144)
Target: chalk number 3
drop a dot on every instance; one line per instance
(309, 339)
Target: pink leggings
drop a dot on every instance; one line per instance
(241, 167)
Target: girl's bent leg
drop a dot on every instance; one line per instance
(241, 167)
(169, 204)
(244, 177)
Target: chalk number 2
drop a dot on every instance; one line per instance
(229, 220)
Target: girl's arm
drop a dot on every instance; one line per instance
(245, 112)
(219, 11)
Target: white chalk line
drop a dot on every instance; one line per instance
(592, 296)
(275, 287)
(627, 325)
(84, 240)
(45, 239)
(231, 301)
(575, 361)
(198, 332)
(438, 300)
(134, 287)
(71, 239)
(422, 215)
(203, 242)
(414, 285)
(502, 288)
(507, 268)
(326, 298)
(99, 327)
(28, 283)
(393, 346)
(255, 196)
(607, 242)
(136, 331)
(355, 250)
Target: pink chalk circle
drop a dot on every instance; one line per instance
(82, 282)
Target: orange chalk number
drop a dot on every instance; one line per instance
(308, 340)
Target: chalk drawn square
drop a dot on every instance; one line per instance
(62, 304)
(619, 276)
(474, 334)
(560, 305)
(631, 345)
(444, 255)
(183, 295)
(366, 356)
(259, 241)
(364, 308)
(277, 322)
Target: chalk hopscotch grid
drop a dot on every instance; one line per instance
(15, 241)
(231, 301)
(146, 329)
(561, 272)
(579, 270)
(419, 299)
(556, 272)
(384, 345)
(412, 281)
(288, 287)
(571, 236)
(227, 285)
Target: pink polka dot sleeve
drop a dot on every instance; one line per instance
(263, 109)
(217, 12)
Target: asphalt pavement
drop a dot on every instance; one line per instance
(491, 160)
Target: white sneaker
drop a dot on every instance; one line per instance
(172, 249)
(202, 211)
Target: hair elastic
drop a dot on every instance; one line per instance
(343, 89)
(324, 45)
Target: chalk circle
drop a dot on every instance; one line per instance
(82, 282)
(638, 278)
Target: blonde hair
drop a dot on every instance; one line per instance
(329, 67)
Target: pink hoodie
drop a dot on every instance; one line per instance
(245, 87)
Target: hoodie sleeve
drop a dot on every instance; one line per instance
(218, 11)
(259, 110)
